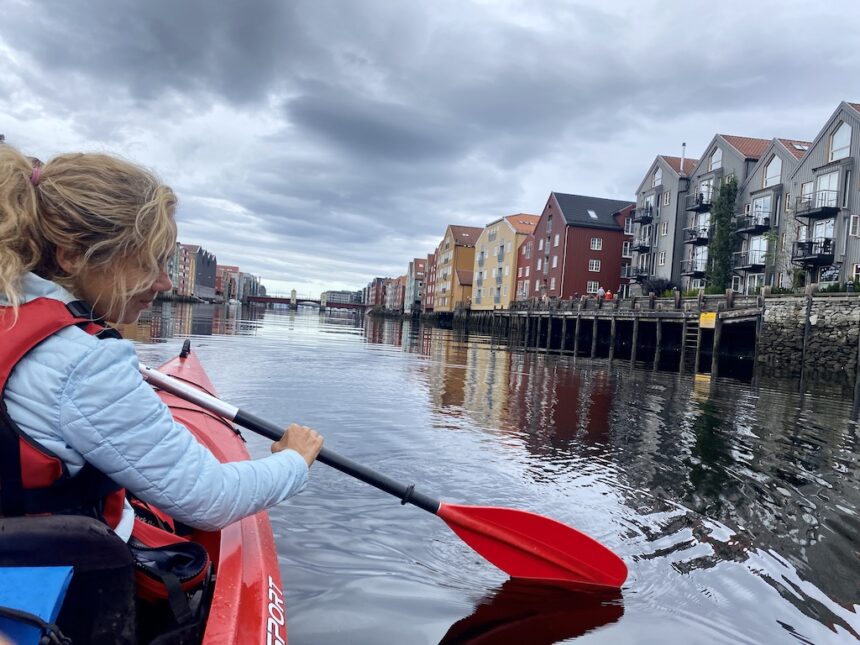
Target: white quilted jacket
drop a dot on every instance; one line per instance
(83, 399)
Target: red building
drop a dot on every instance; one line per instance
(430, 281)
(578, 246)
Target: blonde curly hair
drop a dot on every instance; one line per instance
(100, 209)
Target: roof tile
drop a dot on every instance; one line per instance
(749, 147)
(523, 222)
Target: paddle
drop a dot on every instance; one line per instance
(522, 544)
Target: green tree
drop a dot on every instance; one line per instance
(719, 274)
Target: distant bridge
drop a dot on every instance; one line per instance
(310, 302)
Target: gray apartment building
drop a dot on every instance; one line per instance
(658, 221)
(726, 156)
(414, 286)
(825, 236)
(763, 217)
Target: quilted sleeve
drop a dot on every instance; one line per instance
(117, 422)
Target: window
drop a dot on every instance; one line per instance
(507, 269)
(528, 270)
(592, 214)
(537, 285)
(773, 172)
(555, 242)
(554, 261)
(508, 249)
(540, 263)
(825, 189)
(596, 243)
(625, 249)
(667, 198)
(658, 177)
(552, 283)
(840, 142)
(520, 272)
(854, 228)
(540, 244)
(664, 228)
(787, 202)
(846, 185)
(628, 226)
(594, 266)
(855, 275)
(592, 286)
(716, 160)
(661, 258)
(736, 283)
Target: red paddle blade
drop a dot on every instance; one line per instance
(527, 545)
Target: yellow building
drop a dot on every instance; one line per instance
(454, 263)
(495, 269)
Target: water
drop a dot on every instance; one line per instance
(735, 506)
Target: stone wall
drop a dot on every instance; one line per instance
(814, 336)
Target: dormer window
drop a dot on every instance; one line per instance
(840, 142)
(773, 172)
(716, 160)
(658, 177)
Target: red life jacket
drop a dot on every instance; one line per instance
(33, 481)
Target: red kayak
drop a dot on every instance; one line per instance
(248, 602)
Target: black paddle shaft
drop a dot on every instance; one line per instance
(406, 493)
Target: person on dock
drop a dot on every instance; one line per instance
(601, 292)
(89, 236)
(608, 295)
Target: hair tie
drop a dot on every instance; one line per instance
(36, 175)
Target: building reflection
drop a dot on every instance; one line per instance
(181, 319)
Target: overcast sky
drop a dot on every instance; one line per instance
(319, 144)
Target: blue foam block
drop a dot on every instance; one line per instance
(36, 590)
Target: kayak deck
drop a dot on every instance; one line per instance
(247, 605)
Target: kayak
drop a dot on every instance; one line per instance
(73, 571)
(248, 603)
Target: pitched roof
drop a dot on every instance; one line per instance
(589, 212)
(675, 163)
(856, 106)
(465, 235)
(464, 277)
(523, 222)
(795, 147)
(749, 147)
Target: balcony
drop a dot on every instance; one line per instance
(639, 275)
(813, 253)
(481, 259)
(753, 223)
(753, 259)
(501, 254)
(817, 205)
(697, 235)
(479, 282)
(499, 279)
(694, 268)
(641, 245)
(644, 215)
(497, 299)
(699, 202)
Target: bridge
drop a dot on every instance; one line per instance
(309, 302)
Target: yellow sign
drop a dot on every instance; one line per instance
(708, 320)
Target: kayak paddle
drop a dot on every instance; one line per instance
(522, 544)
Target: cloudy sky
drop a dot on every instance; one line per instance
(319, 143)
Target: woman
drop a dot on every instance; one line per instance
(97, 229)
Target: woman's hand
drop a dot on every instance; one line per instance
(303, 440)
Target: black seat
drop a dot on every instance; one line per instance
(100, 603)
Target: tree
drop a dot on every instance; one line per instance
(719, 273)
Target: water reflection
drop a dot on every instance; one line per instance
(525, 612)
(716, 472)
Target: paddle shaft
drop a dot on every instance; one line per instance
(405, 493)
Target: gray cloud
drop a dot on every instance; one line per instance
(321, 143)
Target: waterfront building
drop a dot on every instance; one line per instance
(579, 246)
(376, 293)
(726, 157)
(414, 286)
(183, 286)
(226, 282)
(826, 196)
(495, 268)
(456, 252)
(763, 219)
(524, 269)
(430, 282)
(342, 297)
(655, 248)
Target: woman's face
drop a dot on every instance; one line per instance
(97, 286)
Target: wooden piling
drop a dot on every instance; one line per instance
(718, 330)
(563, 333)
(612, 339)
(659, 342)
(576, 335)
(635, 342)
(594, 337)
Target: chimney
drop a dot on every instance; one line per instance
(683, 154)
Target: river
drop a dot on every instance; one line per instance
(735, 506)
